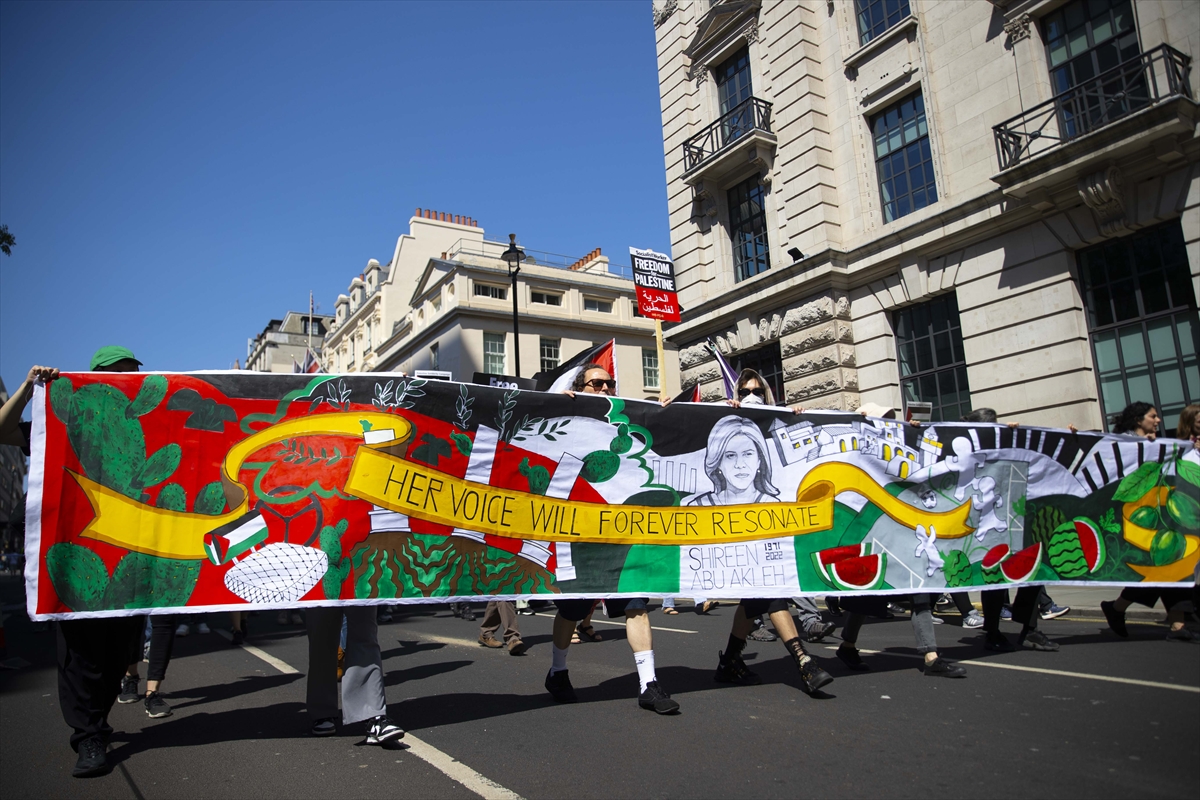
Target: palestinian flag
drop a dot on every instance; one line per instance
(691, 395)
(561, 378)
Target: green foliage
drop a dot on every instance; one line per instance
(1188, 472)
(1135, 485)
(462, 442)
(160, 465)
(78, 575)
(211, 499)
(600, 465)
(154, 389)
(146, 581)
(1018, 506)
(1109, 523)
(538, 476)
(172, 497)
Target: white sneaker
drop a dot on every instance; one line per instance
(203, 628)
(382, 730)
(183, 629)
(973, 620)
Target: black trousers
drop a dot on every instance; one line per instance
(1024, 608)
(92, 657)
(162, 642)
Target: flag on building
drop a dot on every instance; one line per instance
(562, 377)
(311, 365)
(728, 376)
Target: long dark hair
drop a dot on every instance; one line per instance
(1129, 419)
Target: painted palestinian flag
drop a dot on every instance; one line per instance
(560, 379)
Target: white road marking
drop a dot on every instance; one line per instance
(1060, 672)
(446, 764)
(282, 666)
(622, 624)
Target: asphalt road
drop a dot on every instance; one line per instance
(1101, 718)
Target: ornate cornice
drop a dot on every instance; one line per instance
(1018, 28)
(663, 11)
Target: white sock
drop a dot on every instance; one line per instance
(645, 667)
(558, 661)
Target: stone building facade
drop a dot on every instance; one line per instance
(966, 203)
(284, 342)
(443, 303)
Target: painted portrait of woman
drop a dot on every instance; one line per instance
(737, 463)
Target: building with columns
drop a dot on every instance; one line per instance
(965, 203)
(444, 303)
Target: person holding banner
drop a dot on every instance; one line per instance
(595, 379)
(738, 464)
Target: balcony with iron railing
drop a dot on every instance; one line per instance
(740, 136)
(1115, 109)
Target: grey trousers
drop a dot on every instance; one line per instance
(362, 684)
(922, 623)
(497, 613)
(810, 617)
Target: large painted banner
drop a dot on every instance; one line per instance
(234, 490)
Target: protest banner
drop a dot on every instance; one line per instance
(236, 490)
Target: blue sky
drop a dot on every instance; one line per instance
(177, 174)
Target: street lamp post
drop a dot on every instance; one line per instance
(512, 256)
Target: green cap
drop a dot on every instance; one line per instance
(107, 356)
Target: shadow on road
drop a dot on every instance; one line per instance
(216, 692)
(277, 721)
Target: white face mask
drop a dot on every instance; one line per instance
(753, 400)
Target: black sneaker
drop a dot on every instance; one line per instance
(466, 613)
(1116, 620)
(558, 684)
(324, 727)
(129, 690)
(92, 759)
(819, 631)
(941, 668)
(656, 699)
(382, 730)
(1036, 640)
(997, 642)
(848, 655)
(156, 707)
(732, 669)
(812, 677)
(237, 638)
(834, 607)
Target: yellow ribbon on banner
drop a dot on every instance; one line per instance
(125, 522)
(849, 478)
(434, 496)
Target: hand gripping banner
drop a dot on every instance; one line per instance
(235, 490)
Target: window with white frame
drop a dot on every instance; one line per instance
(650, 377)
(493, 292)
(550, 353)
(546, 298)
(598, 305)
(436, 302)
(493, 354)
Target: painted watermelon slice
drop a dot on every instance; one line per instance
(822, 559)
(990, 565)
(1022, 565)
(1091, 540)
(859, 573)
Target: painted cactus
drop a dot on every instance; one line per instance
(105, 432)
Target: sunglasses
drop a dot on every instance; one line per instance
(600, 383)
(761, 392)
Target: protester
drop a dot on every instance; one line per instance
(497, 613)
(594, 379)
(161, 644)
(362, 691)
(1141, 419)
(922, 622)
